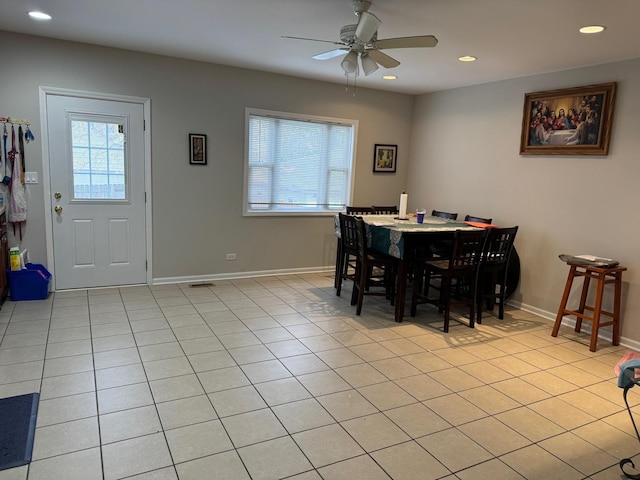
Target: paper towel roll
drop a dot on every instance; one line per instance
(403, 205)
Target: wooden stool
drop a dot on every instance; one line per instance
(603, 276)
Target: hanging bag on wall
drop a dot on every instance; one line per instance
(7, 173)
(18, 194)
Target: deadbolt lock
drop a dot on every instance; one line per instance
(57, 195)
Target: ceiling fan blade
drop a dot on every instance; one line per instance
(330, 54)
(383, 59)
(367, 27)
(407, 42)
(312, 40)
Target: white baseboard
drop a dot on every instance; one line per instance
(570, 321)
(237, 275)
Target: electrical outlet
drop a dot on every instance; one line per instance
(231, 256)
(30, 177)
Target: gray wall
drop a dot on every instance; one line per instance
(197, 211)
(464, 158)
(457, 151)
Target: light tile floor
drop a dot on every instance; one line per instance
(276, 377)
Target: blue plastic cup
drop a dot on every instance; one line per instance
(420, 216)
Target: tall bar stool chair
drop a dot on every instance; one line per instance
(343, 258)
(366, 262)
(493, 269)
(463, 264)
(602, 276)
(442, 248)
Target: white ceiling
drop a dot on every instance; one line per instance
(511, 38)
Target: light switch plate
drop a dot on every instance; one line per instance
(30, 177)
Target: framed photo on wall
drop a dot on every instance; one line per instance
(569, 121)
(197, 149)
(385, 158)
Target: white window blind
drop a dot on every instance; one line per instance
(297, 164)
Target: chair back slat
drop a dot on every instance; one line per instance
(438, 213)
(361, 235)
(359, 210)
(348, 233)
(471, 218)
(385, 210)
(499, 246)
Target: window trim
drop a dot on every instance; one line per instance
(297, 117)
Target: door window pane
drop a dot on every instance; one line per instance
(98, 160)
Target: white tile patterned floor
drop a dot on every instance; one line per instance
(276, 377)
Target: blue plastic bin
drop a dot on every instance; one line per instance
(30, 283)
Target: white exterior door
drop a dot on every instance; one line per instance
(97, 178)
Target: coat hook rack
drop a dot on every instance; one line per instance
(15, 121)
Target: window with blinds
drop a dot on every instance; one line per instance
(297, 164)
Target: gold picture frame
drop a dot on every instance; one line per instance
(568, 121)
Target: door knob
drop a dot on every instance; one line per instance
(57, 195)
(58, 209)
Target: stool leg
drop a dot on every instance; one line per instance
(616, 309)
(583, 300)
(597, 308)
(563, 302)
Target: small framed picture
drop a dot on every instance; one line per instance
(385, 158)
(197, 149)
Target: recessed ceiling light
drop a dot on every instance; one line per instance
(390, 77)
(467, 58)
(39, 15)
(592, 29)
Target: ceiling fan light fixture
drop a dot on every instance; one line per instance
(369, 65)
(367, 27)
(350, 62)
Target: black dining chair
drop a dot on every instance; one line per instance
(348, 252)
(471, 218)
(388, 210)
(344, 265)
(438, 213)
(462, 265)
(492, 272)
(367, 262)
(442, 249)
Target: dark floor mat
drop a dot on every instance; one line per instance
(17, 429)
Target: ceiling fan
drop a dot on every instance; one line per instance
(360, 40)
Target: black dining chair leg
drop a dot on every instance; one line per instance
(417, 289)
(359, 286)
(445, 301)
(472, 302)
(338, 274)
(390, 281)
(356, 281)
(339, 260)
(503, 297)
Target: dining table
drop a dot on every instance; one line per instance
(402, 238)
